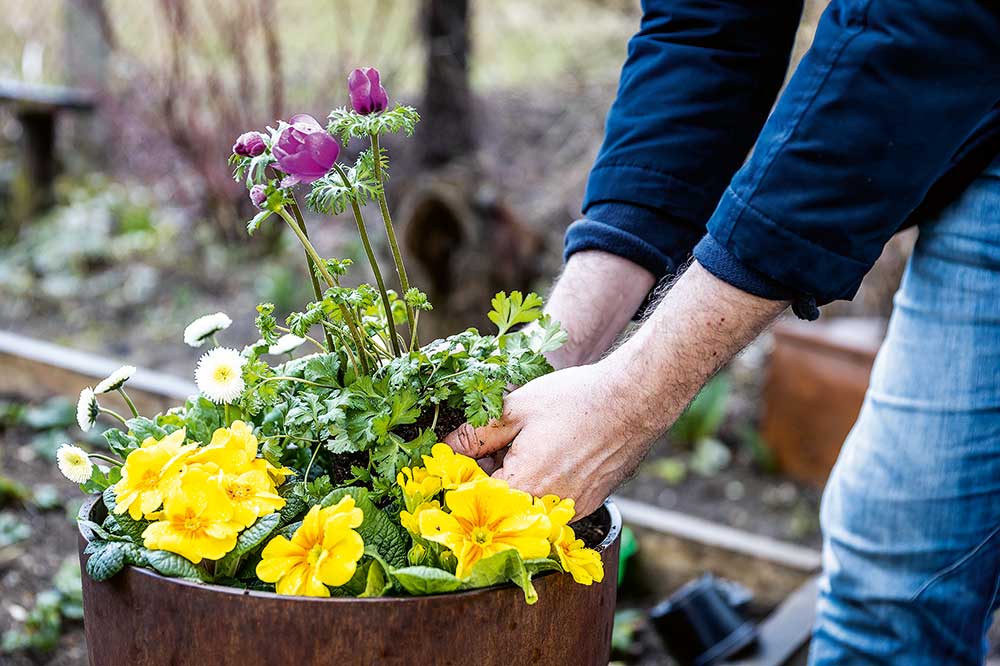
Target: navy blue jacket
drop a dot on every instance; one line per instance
(890, 114)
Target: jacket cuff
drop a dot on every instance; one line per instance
(782, 255)
(724, 265)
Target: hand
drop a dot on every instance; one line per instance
(569, 434)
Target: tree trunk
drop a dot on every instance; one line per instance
(446, 132)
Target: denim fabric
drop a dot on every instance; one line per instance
(911, 514)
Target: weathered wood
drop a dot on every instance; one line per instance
(816, 382)
(139, 617)
(37, 370)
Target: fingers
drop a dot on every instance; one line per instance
(484, 441)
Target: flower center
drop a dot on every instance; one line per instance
(315, 553)
(481, 536)
(238, 491)
(190, 521)
(223, 374)
(149, 479)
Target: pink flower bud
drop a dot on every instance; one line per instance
(250, 144)
(258, 195)
(367, 93)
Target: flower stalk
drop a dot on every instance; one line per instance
(363, 231)
(300, 221)
(390, 234)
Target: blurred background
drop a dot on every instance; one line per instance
(120, 223)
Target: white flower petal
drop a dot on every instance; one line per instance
(115, 380)
(74, 463)
(87, 410)
(202, 328)
(286, 344)
(219, 375)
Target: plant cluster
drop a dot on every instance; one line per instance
(324, 474)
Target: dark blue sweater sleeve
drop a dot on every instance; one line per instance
(699, 80)
(888, 97)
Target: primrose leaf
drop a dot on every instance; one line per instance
(256, 534)
(505, 566)
(143, 428)
(106, 559)
(426, 580)
(508, 311)
(173, 565)
(121, 442)
(376, 581)
(122, 522)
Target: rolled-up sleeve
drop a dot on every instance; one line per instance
(699, 80)
(874, 116)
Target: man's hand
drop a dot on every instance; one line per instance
(579, 432)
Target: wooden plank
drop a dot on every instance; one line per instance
(36, 369)
(41, 96)
(787, 630)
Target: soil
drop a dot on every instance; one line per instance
(27, 567)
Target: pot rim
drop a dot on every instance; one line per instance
(613, 532)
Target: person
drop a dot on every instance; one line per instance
(891, 119)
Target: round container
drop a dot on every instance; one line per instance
(139, 618)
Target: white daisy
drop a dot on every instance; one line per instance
(74, 463)
(87, 409)
(115, 380)
(219, 375)
(286, 344)
(202, 328)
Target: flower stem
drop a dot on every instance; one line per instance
(390, 233)
(98, 456)
(363, 231)
(321, 266)
(113, 414)
(128, 401)
(225, 414)
(310, 339)
(312, 266)
(305, 476)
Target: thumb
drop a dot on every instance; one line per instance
(486, 440)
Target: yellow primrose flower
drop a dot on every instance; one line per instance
(559, 511)
(411, 521)
(418, 485)
(150, 473)
(234, 449)
(251, 492)
(584, 564)
(324, 551)
(452, 468)
(487, 517)
(196, 521)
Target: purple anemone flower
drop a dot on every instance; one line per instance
(249, 144)
(367, 93)
(304, 150)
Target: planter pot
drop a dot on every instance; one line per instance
(139, 618)
(816, 382)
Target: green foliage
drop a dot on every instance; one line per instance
(346, 124)
(515, 309)
(704, 416)
(53, 607)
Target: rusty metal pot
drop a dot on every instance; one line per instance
(139, 618)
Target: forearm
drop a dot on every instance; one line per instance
(594, 300)
(701, 323)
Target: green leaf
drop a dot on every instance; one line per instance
(202, 418)
(323, 369)
(127, 525)
(143, 428)
(547, 336)
(542, 565)
(376, 581)
(505, 566)
(106, 559)
(257, 220)
(173, 565)
(426, 580)
(248, 540)
(121, 442)
(509, 311)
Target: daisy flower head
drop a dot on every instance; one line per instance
(115, 380)
(219, 375)
(74, 463)
(286, 344)
(203, 328)
(87, 409)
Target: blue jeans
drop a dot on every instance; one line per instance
(911, 514)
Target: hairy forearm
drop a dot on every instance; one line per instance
(594, 300)
(700, 324)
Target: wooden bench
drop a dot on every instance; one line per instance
(36, 107)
